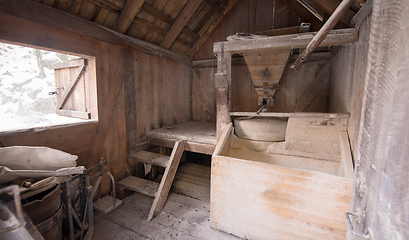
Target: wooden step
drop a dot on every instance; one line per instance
(140, 185)
(151, 158)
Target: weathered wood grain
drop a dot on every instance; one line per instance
(275, 201)
(180, 23)
(167, 180)
(128, 13)
(301, 40)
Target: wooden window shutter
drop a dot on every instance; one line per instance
(72, 84)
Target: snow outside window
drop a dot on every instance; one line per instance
(28, 91)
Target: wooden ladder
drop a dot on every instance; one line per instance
(160, 190)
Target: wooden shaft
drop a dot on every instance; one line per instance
(322, 33)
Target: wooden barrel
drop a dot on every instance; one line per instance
(45, 211)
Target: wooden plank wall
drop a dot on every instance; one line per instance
(380, 191)
(161, 96)
(348, 80)
(163, 91)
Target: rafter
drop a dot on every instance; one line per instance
(180, 23)
(124, 21)
(215, 5)
(210, 26)
(39, 13)
(115, 9)
(163, 17)
(106, 5)
(330, 5)
(303, 12)
(148, 9)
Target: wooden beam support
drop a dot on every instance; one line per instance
(180, 23)
(292, 115)
(223, 93)
(280, 31)
(40, 13)
(130, 103)
(124, 21)
(210, 27)
(301, 40)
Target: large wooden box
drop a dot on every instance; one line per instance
(262, 190)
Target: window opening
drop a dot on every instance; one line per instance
(40, 88)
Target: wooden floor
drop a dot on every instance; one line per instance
(185, 215)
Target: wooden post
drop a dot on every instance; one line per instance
(223, 83)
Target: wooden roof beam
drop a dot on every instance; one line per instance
(330, 5)
(115, 9)
(124, 21)
(180, 23)
(106, 5)
(148, 9)
(42, 14)
(209, 27)
(215, 5)
(163, 17)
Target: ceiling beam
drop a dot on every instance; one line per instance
(330, 5)
(115, 9)
(124, 21)
(148, 9)
(163, 17)
(180, 23)
(105, 4)
(215, 5)
(48, 16)
(209, 28)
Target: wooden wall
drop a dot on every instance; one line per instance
(377, 94)
(160, 96)
(163, 90)
(348, 80)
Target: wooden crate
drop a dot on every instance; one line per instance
(259, 194)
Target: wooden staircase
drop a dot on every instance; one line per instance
(160, 190)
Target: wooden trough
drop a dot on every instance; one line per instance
(282, 190)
